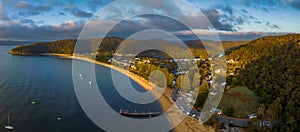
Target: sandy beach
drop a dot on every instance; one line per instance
(187, 125)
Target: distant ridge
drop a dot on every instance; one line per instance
(11, 42)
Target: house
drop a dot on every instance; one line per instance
(220, 71)
(197, 59)
(209, 77)
(213, 93)
(232, 73)
(251, 116)
(230, 61)
(211, 82)
(221, 55)
(189, 100)
(215, 110)
(223, 84)
(146, 61)
(174, 82)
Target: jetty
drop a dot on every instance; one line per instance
(126, 113)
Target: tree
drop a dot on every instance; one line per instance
(202, 95)
(170, 79)
(229, 111)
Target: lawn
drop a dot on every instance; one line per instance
(241, 99)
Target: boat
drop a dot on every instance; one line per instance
(90, 82)
(81, 77)
(58, 118)
(8, 127)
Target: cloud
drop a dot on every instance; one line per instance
(146, 22)
(94, 5)
(27, 9)
(295, 4)
(75, 11)
(214, 17)
(226, 35)
(62, 14)
(265, 4)
(273, 26)
(163, 5)
(23, 5)
(228, 9)
(81, 13)
(19, 31)
(3, 13)
(26, 21)
(257, 22)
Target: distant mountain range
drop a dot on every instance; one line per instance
(10, 42)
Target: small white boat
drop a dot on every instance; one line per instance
(81, 77)
(8, 127)
(58, 118)
(90, 82)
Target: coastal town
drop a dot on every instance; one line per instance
(186, 100)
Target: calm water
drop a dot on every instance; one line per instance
(48, 82)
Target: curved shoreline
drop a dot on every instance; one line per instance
(165, 101)
(141, 81)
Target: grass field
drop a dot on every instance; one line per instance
(241, 99)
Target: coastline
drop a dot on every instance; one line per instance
(165, 101)
(141, 81)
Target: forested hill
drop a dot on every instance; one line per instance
(270, 67)
(197, 44)
(111, 44)
(64, 46)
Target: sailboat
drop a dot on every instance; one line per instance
(8, 127)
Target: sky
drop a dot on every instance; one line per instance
(49, 20)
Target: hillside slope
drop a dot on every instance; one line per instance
(270, 67)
